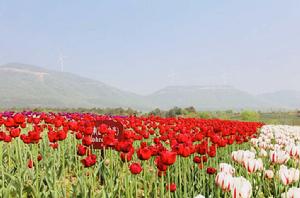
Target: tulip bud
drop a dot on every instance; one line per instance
(269, 174)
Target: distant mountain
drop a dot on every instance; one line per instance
(30, 86)
(284, 98)
(206, 98)
(24, 85)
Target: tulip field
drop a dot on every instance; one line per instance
(79, 155)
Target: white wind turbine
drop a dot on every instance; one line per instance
(61, 59)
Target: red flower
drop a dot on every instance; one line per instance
(171, 187)
(212, 151)
(78, 136)
(87, 140)
(40, 157)
(62, 135)
(34, 136)
(103, 128)
(81, 150)
(19, 118)
(7, 138)
(9, 123)
(89, 160)
(88, 131)
(124, 146)
(197, 159)
(52, 136)
(126, 156)
(200, 166)
(30, 164)
(168, 157)
(211, 170)
(204, 158)
(144, 153)
(2, 136)
(54, 145)
(184, 150)
(15, 132)
(202, 148)
(135, 168)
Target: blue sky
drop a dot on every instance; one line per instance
(142, 46)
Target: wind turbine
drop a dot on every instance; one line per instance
(61, 59)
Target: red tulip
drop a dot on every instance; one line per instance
(135, 168)
(171, 187)
(30, 163)
(15, 132)
(168, 157)
(81, 150)
(211, 170)
(87, 140)
(89, 161)
(197, 159)
(144, 153)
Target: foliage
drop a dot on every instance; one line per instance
(250, 115)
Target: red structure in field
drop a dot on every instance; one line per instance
(97, 137)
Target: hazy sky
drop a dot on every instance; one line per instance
(143, 46)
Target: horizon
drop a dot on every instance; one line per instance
(10, 64)
(142, 46)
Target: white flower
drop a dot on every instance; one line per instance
(263, 153)
(241, 155)
(253, 165)
(293, 151)
(269, 174)
(199, 196)
(224, 181)
(226, 168)
(279, 157)
(291, 193)
(241, 188)
(288, 176)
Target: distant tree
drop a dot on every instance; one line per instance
(250, 115)
(156, 112)
(229, 111)
(174, 112)
(190, 109)
(205, 115)
(130, 111)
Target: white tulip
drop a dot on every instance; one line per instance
(226, 168)
(199, 196)
(224, 181)
(291, 193)
(241, 155)
(241, 188)
(253, 165)
(279, 157)
(293, 151)
(269, 174)
(288, 176)
(263, 153)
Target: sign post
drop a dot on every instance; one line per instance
(97, 138)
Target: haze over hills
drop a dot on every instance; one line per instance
(30, 86)
(24, 85)
(206, 97)
(283, 98)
